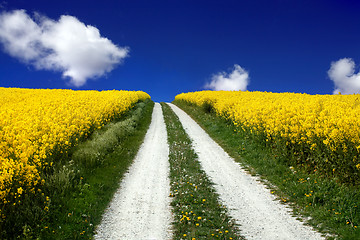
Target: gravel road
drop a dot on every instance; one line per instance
(140, 208)
(249, 202)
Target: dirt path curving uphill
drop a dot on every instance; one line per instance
(249, 202)
(140, 209)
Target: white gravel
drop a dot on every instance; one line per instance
(140, 208)
(249, 202)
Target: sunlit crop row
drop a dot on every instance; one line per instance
(37, 123)
(326, 127)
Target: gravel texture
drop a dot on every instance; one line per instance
(250, 203)
(140, 208)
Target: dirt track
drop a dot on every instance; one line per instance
(141, 207)
(250, 203)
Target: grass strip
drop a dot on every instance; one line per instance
(198, 214)
(328, 205)
(81, 189)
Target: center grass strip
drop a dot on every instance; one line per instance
(198, 213)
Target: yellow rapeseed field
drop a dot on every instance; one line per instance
(325, 127)
(37, 123)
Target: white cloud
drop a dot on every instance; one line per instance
(238, 79)
(66, 45)
(342, 73)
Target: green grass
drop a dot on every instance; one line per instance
(81, 188)
(329, 205)
(196, 209)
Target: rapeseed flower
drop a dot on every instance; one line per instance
(38, 123)
(323, 130)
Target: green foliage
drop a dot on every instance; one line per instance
(78, 209)
(91, 153)
(62, 180)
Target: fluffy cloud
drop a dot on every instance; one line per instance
(67, 45)
(342, 73)
(238, 79)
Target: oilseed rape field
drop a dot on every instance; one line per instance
(37, 124)
(320, 133)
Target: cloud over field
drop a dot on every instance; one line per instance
(67, 45)
(342, 73)
(238, 79)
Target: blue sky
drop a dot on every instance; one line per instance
(178, 46)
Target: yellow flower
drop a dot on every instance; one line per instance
(306, 122)
(35, 122)
(20, 190)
